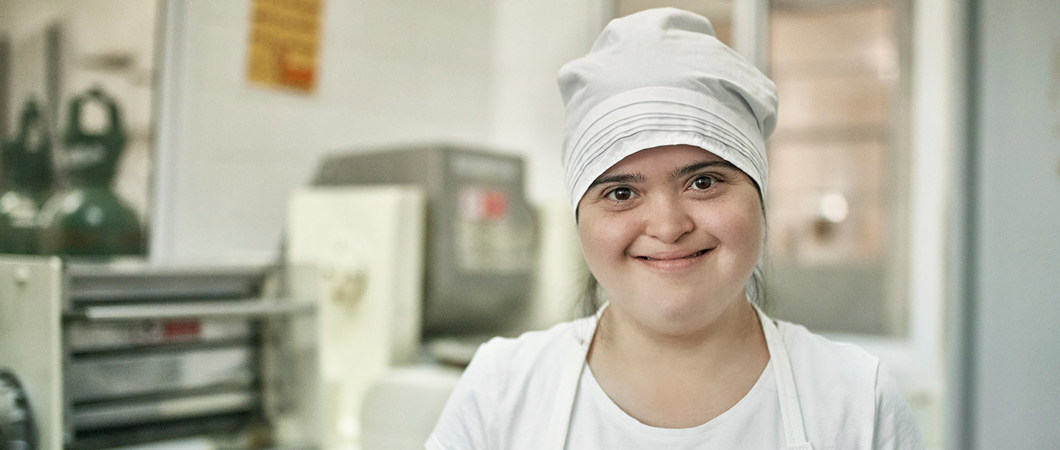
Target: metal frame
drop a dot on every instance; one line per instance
(43, 299)
(5, 88)
(960, 340)
(168, 109)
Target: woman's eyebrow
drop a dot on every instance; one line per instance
(693, 168)
(618, 178)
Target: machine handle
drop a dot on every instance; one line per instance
(226, 308)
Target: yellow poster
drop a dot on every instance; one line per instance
(284, 42)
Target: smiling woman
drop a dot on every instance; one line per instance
(664, 156)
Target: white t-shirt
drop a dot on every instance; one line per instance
(754, 422)
(506, 398)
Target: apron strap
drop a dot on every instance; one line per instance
(559, 422)
(567, 391)
(790, 410)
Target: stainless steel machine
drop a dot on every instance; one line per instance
(104, 355)
(481, 232)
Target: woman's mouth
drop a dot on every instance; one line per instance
(673, 260)
(668, 257)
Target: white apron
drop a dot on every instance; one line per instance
(790, 411)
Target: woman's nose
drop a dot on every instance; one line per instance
(667, 220)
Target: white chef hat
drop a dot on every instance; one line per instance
(660, 77)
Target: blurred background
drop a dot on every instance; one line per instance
(289, 223)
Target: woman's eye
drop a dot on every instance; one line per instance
(620, 194)
(703, 182)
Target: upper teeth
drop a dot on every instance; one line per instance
(648, 258)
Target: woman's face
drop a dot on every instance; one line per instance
(672, 234)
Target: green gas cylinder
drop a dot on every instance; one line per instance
(27, 169)
(86, 218)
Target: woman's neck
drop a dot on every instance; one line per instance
(678, 381)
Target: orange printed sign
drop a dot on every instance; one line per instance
(284, 42)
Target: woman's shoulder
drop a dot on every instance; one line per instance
(507, 379)
(516, 377)
(809, 350)
(850, 401)
(836, 385)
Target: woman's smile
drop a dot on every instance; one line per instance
(673, 261)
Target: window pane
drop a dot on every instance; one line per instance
(836, 193)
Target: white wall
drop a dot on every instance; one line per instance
(527, 111)
(466, 71)
(1016, 241)
(230, 153)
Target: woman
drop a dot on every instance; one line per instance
(665, 166)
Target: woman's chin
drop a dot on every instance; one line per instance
(673, 316)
